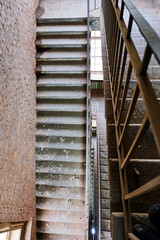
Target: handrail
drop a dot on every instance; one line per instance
(87, 122)
(124, 59)
(98, 177)
(146, 30)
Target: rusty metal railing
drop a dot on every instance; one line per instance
(126, 63)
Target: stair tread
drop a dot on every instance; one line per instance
(60, 204)
(61, 133)
(59, 145)
(60, 158)
(60, 216)
(59, 121)
(60, 192)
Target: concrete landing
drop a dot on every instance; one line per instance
(62, 9)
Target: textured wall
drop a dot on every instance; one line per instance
(17, 109)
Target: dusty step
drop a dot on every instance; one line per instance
(62, 53)
(60, 180)
(61, 133)
(60, 204)
(44, 236)
(61, 73)
(57, 126)
(77, 149)
(60, 192)
(63, 39)
(60, 139)
(60, 216)
(52, 121)
(61, 228)
(57, 167)
(61, 156)
(59, 145)
(60, 92)
(62, 80)
(61, 60)
(78, 107)
(47, 31)
(61, 46)
(61, 20)
(61, 112)
(65, 67)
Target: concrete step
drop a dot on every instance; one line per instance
(60, 121)
(61, 156)
(61, 81)
(61, 46)
(61, 60)
(44, 236)
(56, 167)
(61, 112)
(62, 27)
(78, 107)
(59, 180)
(74, 205)
(60, 228)
(51, 31)
(61, 133)
(62, 39)
(62, 53)
(61, 73)
(59, 146)
(76, 92)
(60, 216)
(65, 67)
(59, 125)
(61, 20)
(60, 192)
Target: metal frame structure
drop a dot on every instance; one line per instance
(121, 48)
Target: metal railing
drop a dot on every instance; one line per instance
(88, 128)
(122, 52)
(98, 177)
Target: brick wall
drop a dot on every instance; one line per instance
(17, 109)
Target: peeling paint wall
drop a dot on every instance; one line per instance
(17, 109)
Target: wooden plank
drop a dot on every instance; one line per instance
(132, 236)
(150, 186)
(141, 132)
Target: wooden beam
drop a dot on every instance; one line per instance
(150, 186)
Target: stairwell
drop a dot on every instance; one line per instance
(61, 128)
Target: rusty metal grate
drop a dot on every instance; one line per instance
(125, 62)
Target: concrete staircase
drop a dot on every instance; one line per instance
(61, 128)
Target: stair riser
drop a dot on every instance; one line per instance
(60, 114)
(62, 27)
